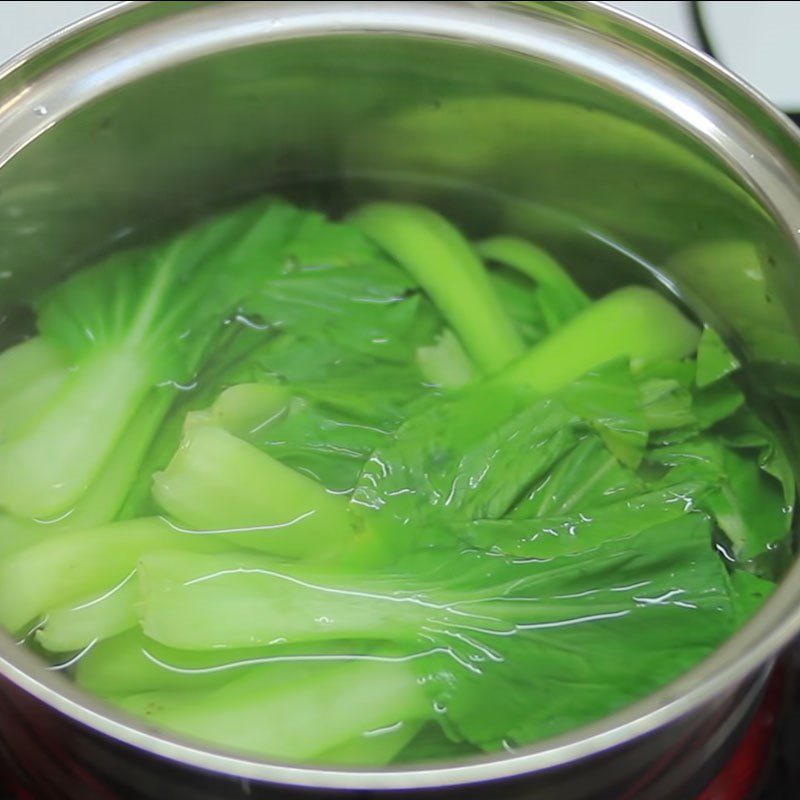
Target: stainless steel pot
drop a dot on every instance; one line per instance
(544, 118)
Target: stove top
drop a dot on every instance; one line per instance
(759, 768)
(779, 764)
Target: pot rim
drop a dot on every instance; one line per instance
(722, 672)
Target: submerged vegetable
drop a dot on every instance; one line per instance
(123, 328)
(367, 492)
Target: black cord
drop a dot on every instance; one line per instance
(700, 29)
(701, 32)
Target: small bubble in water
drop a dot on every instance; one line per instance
(40, 111)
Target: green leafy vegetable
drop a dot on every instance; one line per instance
(489, 622)
(30, 374)
(83, 624)
(133, 664)
(76, 565)
(311, 710)
(635, 323)
(558, 297)
(445, 265)
(668, 594)
(219, 483)
(377, 747)
(341, 491)
(749, 505)
(714, 360)
(445, 363)
(589, 475)
(141, 318)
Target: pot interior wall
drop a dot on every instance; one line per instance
(500, 142)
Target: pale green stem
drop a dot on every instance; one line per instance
(633, 323)
(219, 483)
(81, 624)
(321, 708)
(447, 268)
